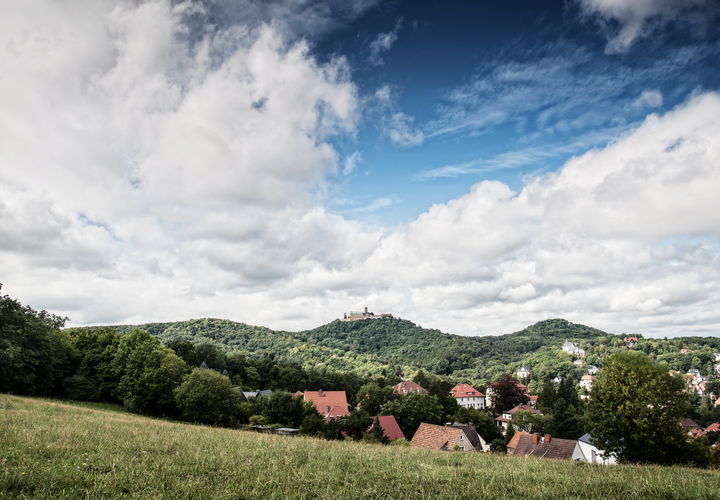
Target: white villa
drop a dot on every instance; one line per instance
(574, 349)
(468, 397)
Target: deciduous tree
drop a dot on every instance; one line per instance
(635, 411)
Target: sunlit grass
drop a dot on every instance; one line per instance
(56, 449)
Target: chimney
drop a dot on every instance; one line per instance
(365, 309)
(535, 438)
(320, 394)
(548, 437)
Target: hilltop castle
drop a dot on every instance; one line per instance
(355, 316)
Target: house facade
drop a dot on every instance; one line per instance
(586, 382)
(468, 397)
(592, 454)
(574, 349)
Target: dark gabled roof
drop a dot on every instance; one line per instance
(586, 438)
(530, 445)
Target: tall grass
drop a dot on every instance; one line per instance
(51, 449)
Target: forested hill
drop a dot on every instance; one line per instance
(402, 342)
(379, 346)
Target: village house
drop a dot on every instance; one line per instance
(691, 427)
(357, 316)
(715, 427)
(592, 370)
(329, 404)
(439, 437)
(573, 348)
(476, 440)
(266, 393)
(535, 445)
(591, 453)
(524, 372)
(468, 397)
(533, 401)
(586, 382)
(631, 342)
(409, 387)
(505, 420)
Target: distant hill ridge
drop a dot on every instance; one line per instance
(374, 346)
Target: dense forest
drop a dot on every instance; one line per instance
(390, 346)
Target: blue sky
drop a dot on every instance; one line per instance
(497, 91)
(472, 166)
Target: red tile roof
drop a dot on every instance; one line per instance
(523, 408)
(409, 386)
(330, 404)
(534, 445)
(465, 391)
(390, 427)
(435, 437)
(713, 427)
(689, 423)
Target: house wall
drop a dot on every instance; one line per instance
(590, 452)
(464, 443)
(474, 402)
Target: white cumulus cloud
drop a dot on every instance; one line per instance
(146, 174)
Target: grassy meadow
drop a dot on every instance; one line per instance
(57, 449)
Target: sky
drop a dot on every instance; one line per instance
(474, 167)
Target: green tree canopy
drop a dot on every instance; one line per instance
(148, 374)
(371, 397)
(283, 408)
(635, 411)
(35, 356)
(506, 394)
(412, 410)
(206, 396)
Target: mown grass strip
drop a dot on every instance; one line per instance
(52, 449)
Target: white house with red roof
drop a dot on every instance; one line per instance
(468, 397)
(329, 404)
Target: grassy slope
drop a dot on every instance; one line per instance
(61, 450)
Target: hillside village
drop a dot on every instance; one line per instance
(553, 401)
(457, 436)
